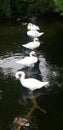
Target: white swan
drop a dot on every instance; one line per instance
(29, 83)
(34, 33)
(31, 26)
(32, 45)
(29, 60)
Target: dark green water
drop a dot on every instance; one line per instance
(14, 99)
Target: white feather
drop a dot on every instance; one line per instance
(32, 45)
(34, 33)
(29, 83)
(29, 60)
(32, 27)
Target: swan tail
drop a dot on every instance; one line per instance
(42, 33)
(45, 84)
(24, 45)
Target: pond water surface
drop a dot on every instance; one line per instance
(14, 99)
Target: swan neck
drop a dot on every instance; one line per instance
(22, 77)
(31, 55)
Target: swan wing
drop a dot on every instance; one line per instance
(28, 61)
(34, 33)
(33, 84)
(32, 45)
(29, 45)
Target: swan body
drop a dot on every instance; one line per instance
(29, 60)
(32, 45)
(34, 33)
(32, 27)
(29, 83)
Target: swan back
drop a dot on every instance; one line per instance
(32, 45)
(29, 60)
(34, 33)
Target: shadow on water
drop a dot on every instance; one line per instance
(14, 99)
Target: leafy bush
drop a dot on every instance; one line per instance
(5, 7)
(24, 8)
(58, 6)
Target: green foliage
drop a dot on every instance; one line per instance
(5, 8)
(58, 6)
(43, 6)
(19, 8)
(1, 6)
(24, 8)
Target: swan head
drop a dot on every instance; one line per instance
(33, 53)
(19, 74)
(29, 25)
(36, 39)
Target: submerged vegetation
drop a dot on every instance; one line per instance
(26, 8)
